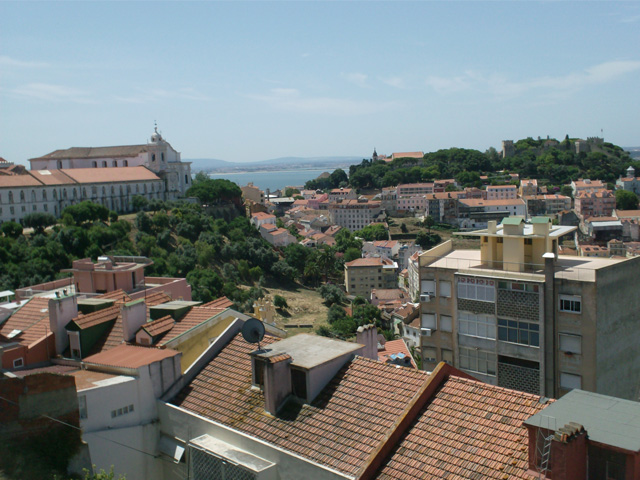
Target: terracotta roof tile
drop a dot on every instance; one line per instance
(339, 429)
(109, 175)
(32, 319)
(120, 296)
(131, 356)
(468, 430)
(156, 298)
(159, 326)
(222, 302)
(394, 347)
(369, 262)
(96, 318)
(96, 152)
(192, 319)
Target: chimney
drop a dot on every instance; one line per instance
(61, 312)
(568, 459)
(277, 382)
(367, 335)
(492, 226)
(134, 315)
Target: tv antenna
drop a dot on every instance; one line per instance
(253, 331)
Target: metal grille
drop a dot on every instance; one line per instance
(205, 466)
(519, 378)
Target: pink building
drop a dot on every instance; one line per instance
(600, 203)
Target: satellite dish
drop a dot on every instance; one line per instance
(253, 331)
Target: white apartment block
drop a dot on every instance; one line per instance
(502, 192)
(354, 214)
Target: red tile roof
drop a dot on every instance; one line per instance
(192, 319)
(131, 356)
(159, 326)
(369, 262)
(120, 296)
(340, 429)
(156, 298)
(32, 319)
(96, 152)
(108, 175)
(222, 302)
(467, 430)
(393, 347)
(108, 314)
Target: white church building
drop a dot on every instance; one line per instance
(111, 176)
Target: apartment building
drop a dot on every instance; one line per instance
(516, 314)
(546, 204)
(363, 274)
(599, 203)
(253, 193)
(342, 194)
(473, 213)
(443, 206)
(502, 192)
(586, 185)
(528, 186)
(354, 214)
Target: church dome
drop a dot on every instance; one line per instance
(155, 136)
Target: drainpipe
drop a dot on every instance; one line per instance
(550, 355)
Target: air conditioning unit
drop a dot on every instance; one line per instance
(426, 332)
(425, 297)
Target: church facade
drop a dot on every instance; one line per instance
(111, 176)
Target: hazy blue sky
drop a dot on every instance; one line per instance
(246, 81)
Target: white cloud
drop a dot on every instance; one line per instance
(53, 93)
(359, 79)
(396, 82)
(501, 86)
(156, 94)
(290, 99)
(6, 61)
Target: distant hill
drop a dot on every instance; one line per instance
(222, 166)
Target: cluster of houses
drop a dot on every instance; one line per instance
(164, 387)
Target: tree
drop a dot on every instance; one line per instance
(210, 191)
(332, 294)
(280, 302)
(373, 232)
(626, 200)
(138, 202)
(352, 254)
(403, 228)
(11, 229)
(426, 240)
(429, 222)
(39, 221)
(86, 211)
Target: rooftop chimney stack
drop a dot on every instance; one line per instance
(61, 312)
(568, 460)
(277, 382)
(134, 315)
(367, 335)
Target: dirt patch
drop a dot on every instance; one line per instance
(305, 308)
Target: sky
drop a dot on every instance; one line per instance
(248, 81)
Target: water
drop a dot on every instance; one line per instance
(272, 180)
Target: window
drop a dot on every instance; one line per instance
(428, 287)
(446, 323)
(483, 326)
(570, 381)
(445, 289)
(82, 406)
(472, 288)
(46, 207)
(478, 361)
(126, 163)
(10, 197)
(153, 157)
(570, 343)
(570, 303)
(519, 287)
(18, 362)
(429, 354)
(44, 194)
(22, 195)
(94, 164)
(447, 356)
(162, 156)
(524, 333)
(429, 321)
